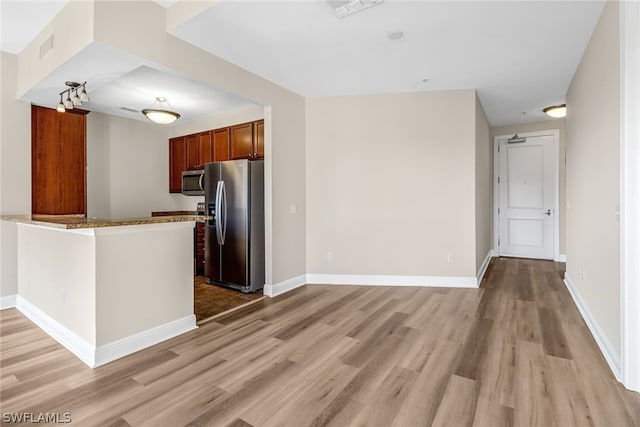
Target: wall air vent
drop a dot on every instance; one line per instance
(46, 46)
(342, 8)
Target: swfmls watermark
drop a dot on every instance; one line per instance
(36, 417)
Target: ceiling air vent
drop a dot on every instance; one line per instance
(342, 8)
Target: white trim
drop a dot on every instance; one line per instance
(608, 351)
(8, 301)
(483, 267)
(562, 258)
(268, 198)
(123, 347)
(70, 340)
(496, 190)
(282, 287)
(88, 353)
(387, 280)
(630, 194)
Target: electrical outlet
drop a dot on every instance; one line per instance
(329, 256)
(583, 275)
(62, 296)
(293, 209)
(449, 257)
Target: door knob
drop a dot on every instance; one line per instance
(548, 212)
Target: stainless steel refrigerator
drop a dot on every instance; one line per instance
(234, 234)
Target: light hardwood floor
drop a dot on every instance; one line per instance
(515, 352)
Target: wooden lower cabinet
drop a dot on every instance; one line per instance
(199, 270)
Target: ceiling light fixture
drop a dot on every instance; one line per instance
(395, 35)
(77, 99)
(556, 111)
(158, 114)
(61, 108)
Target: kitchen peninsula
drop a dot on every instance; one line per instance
(105, 288)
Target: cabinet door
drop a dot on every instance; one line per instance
(205, 149)
(241, 145)
(199, 248)
(177, 163)
(58, 161)
(258, 140)
(192, 151)
(220, 144)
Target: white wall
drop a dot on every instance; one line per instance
(391, 184)
(127, 168)
(15, 169)
(484, 186)
(57, 274)
(558, 124)
(593, 174)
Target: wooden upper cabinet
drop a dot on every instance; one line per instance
(58, 161)
(220, 144)
(244, 141)
(205, 149)
(241, 141)
(192, 151)
(177, 163)
(258, 140)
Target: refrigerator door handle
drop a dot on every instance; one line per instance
(224, 208)
(217, 213)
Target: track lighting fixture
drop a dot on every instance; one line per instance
(160, 115)
(77, 99)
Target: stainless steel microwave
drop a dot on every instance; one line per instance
(193, 183)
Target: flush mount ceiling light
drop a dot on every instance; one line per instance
(79, 96)
(395, 35)
(556, 111)
(158, 114)
(342, 8)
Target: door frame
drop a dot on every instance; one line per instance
(629, 189)
(496, 190)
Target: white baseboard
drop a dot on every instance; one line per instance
(282, 287)
(388, 280)
(8, 301)
(609, 353)
(483, 267)
(70, 340)
(89, 354)
(117, 349)
(562, 258)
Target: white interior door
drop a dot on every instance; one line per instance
(527, 190)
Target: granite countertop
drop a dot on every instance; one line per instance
(80, 221)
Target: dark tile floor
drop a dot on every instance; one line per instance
(210, 300)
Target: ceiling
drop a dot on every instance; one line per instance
(519, 55)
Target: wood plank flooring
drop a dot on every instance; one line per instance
(513, 353)
(211, 300)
